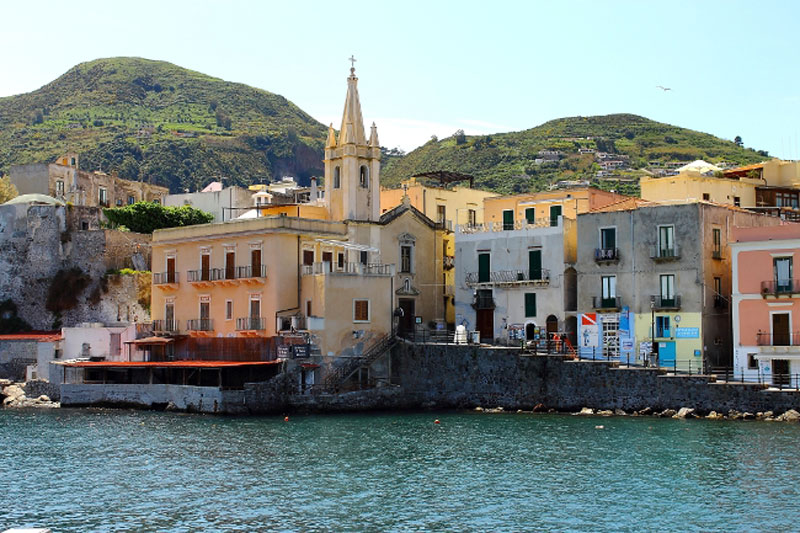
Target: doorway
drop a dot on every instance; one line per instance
(485, 324)
(406, 323)
(780, 329)
(780, 372)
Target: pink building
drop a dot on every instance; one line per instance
(766, 304)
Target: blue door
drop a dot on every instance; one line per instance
(666, 353)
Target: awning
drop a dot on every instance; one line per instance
(151, 341)
(308, 365)
(167, 364)
(349, 245)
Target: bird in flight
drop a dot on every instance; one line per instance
(665, 89)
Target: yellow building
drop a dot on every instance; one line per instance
(447, 206)
(327, 277)
(694, 186)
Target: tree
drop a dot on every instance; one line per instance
(146, 217)
(460, 137)
(738, 141)
(7, 190)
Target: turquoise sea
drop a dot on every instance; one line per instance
(109, 470)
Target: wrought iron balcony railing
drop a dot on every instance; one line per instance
(211, 274)
(251, 271)
(664, 253)
(251, 323)
(160, 278)
(663, 302)
(776, 287)
(606, 302)
(606, 254)
(200, 324)
(778, 339)
(165, 326)
(541, 275)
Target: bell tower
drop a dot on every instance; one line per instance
(352, 163)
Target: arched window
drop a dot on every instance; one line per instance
(336, 177)
(364, 176)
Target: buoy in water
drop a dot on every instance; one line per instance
(285, 418)
(599, 427)
(436, 421)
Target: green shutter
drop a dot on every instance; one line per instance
(530, 215)
(535, 264)
(508, 219)
(530, 304)
(555, 212)
(483, 268)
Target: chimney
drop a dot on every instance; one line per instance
(313, 189)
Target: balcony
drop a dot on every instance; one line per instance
(778, 339)
(166, 281)
(492, 227)
(661, 303)
(613, 303)
(448, 262)
(251, 323)
(348, 269)
(661, 253)
(165, 326)
(200, 324)
(252, 274)
(204, 276)
(716, 254)
(483, 302)
(782, 287)
(606, 255)
(501, 278)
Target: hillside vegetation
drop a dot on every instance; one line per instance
(505, 162)
(161, 123)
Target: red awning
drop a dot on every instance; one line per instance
(309, 365)
(167, 364)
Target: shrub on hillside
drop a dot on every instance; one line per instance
(146, 217)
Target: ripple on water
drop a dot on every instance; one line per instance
(100, 470)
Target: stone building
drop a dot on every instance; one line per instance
(64, 181)
(658, 273)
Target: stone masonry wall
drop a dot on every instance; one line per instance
(37, 241)
(465, 376)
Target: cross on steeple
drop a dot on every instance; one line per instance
(352, 61)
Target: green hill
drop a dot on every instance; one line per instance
(157, 122)
(506, 162)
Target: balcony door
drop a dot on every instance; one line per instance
(405, 324)
(230, 261)
(508, 219)
(781, 336)
(205, 267)
(171, 270)
(535, 264)
(783, 274)
(608, 238)
(555, 212)
(609, 291)
(483, 268)
(255, 262)
(668, 290)
(666, 241)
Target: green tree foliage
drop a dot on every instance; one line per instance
(146, 217)
(7, 190)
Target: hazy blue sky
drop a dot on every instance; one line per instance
(432, 67)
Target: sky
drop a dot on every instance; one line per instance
(433, 67)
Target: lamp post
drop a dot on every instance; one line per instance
(652, 328)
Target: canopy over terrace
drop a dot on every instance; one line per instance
(154, 348)
(221, 374)
(446, 177)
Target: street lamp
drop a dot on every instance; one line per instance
(652, 328)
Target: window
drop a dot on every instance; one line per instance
(59, 188)
(530, 304)
(363, 176)
(483, 268)
(717, 234)
(337, 178)
(662, 327)
(72, 161)
(608, 238)
(719, 301)
(116, 344)
(360, 310)
(534, 264)
(667, 290)
(471, 217)
(752, 362)
(256, 269)
(102, 196)
(706, 196)
(405, 259)
(228, 309)
(786, 199)
(737, 201)
(327, 257)
(783, 274)
(205, 266)
(308, 308)
(530, 215)
(340, 260)
(308, 257)
(119, 202)
(608, 295)
(555, 213)
(441, 214)
(169, 316)
(666, 241)
(131, 200)
(508, 219)
(205, 308)
(364, 257)
(255, 306)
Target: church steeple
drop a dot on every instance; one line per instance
(352, 165)
(352, 130)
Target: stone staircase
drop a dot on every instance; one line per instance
(339, 375)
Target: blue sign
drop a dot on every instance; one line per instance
(687, 333)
